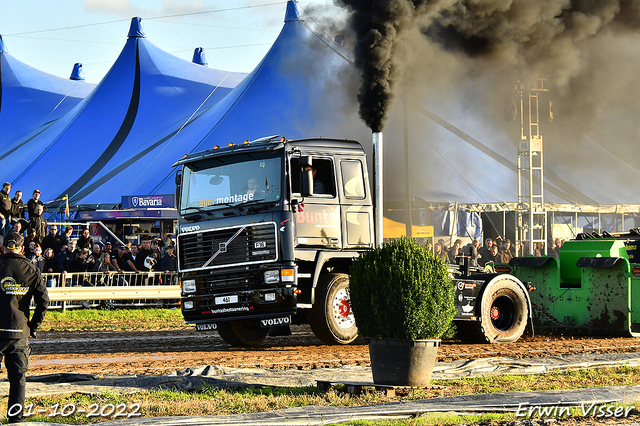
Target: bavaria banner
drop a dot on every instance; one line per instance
(147, 201)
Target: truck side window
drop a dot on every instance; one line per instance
(352, 179)
(324, 179)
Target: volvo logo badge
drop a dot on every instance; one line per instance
(223, 247)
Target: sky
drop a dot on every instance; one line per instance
(595, 102)
(53, 35)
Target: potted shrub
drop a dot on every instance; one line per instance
(403, 300)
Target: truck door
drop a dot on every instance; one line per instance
(318, 221)
(355, 205)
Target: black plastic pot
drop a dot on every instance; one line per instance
(401, 362)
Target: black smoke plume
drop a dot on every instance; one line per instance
(377, 25)
(530, 36)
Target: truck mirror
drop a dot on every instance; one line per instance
(178, 183)
(306, 183)
(306, 161)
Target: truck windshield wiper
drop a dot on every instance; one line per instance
(196, 208)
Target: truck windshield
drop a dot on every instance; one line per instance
(231, 181)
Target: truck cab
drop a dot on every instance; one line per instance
(267, 231)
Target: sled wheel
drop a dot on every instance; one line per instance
(242, 332)
(504, 313)
(332, 319)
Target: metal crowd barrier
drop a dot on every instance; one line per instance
(101, 289)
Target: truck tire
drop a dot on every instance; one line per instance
(242, 332)
(504, 311)
(332, 319)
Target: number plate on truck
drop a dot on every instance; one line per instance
(224, 300)
(206, 327)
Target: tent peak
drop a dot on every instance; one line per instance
(77, 73)
(293, 13)
(198, 57)
(3, 49)
(135, 30)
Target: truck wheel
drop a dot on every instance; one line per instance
(332, 319)
(504, 312)
(242, 333)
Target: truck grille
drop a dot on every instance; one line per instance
(216, 248)
(212, 281)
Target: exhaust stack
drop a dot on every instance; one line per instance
(377, 185)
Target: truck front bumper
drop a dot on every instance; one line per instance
(238, 305)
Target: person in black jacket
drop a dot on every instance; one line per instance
(142, 264)
(53, 240)
(67, 257)
(17, 206)
(85, 240)
(169, 261)
(5, 208)
(20, 282)
(82, 263)
(34, 202)
(39, 223)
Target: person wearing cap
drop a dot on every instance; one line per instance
(122, 260)
(15, 231)
(33, 202)
(108, 248)
(20, 283)
(5, 208)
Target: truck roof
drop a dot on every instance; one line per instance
(271, 143)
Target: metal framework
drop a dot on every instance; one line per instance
(531, 218)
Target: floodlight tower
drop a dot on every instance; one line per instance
(532, 105)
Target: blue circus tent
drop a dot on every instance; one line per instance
(146, 94)
(31, 99)
(297, 90)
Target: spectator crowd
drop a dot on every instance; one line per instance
(53, 249)
(499, 250)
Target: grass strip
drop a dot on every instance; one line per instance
(208, 401)
(117, 319)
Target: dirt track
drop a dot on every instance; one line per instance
(160, 352)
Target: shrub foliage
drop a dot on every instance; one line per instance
(401, 291)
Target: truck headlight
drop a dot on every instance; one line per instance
(272, 277)
(188, 304)
(189, 286)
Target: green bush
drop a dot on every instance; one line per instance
(401, 291)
